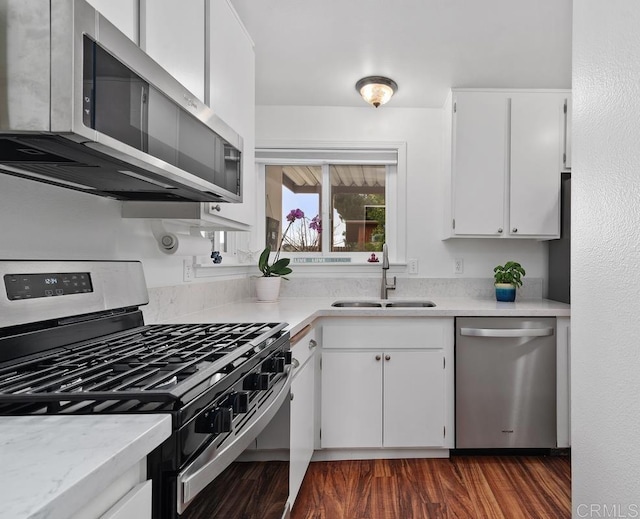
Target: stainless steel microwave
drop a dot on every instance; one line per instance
(85, 108)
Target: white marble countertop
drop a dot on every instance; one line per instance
(51, 466)
(299, 312)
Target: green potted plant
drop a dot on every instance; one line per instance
(508, 277)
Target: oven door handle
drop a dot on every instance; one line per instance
(213, 460)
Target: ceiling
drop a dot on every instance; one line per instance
(313, 52)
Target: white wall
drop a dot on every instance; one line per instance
(39, 221)
(423, 131)
(605, 259)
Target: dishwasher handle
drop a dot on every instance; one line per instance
(506, 332)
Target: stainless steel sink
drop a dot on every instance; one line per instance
(384, 304)
(357, 304)
(410, 304)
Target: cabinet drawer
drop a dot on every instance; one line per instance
(387, 333)
(136, 504)
(303, 344)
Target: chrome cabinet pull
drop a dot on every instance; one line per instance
(387, 357)
(378, 357)
(312, 344)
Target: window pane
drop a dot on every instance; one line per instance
(357, 208)
(289, 188)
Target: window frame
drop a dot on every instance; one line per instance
(395, 193)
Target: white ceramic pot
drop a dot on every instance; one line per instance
(268, 288)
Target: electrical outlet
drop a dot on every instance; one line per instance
(413, 266)
(187, 272)
(458, 266)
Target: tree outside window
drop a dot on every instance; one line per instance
(357, 208)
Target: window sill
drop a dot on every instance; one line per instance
(348, 269)
(300, 269)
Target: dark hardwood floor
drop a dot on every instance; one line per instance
(461, 487)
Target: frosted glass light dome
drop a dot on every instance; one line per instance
(376, 90)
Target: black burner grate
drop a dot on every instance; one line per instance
(148, 367)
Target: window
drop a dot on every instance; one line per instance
(357, 208)
(288, 188)
(350, 200)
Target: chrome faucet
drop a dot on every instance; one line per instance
(385, 266)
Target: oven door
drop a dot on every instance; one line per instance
(223, 476)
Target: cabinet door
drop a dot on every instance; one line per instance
(568, 115)
(232, 97)
(302, 425)
(173, 34)
(135, 505)
(351, 399)
(480, 123)
(536, 147)
(414, 399)
(121, 13)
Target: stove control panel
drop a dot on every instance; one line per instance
(33, 286)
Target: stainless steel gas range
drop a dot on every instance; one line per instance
(73, 341)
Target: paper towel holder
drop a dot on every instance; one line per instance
(168, 242)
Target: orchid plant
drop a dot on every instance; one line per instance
(280, 266)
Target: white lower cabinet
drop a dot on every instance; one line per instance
(563, 388)
(127, 497)
(351, 399)
(303, 408)
(135, 505)
(387, 383)
(302, 425)
(413, 399)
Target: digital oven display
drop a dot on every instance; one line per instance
(32, 286)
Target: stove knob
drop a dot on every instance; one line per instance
(239, 402)
(273, 365)
(287, 356)
(256, 381)
(217, 420)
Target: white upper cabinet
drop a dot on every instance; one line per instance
(173, 34)
(507, 154)
(121, 13)
(232, 67)
(232, 97)
(567, 134)
(479, 162)
(537, 132)
(203, 44)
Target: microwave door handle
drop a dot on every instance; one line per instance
(506, 332)
(144, 117)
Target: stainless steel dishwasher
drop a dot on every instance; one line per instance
(505, 382)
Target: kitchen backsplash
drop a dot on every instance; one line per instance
(406, 287)
(167, 303)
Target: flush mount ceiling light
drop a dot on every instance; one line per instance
(376, 90)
